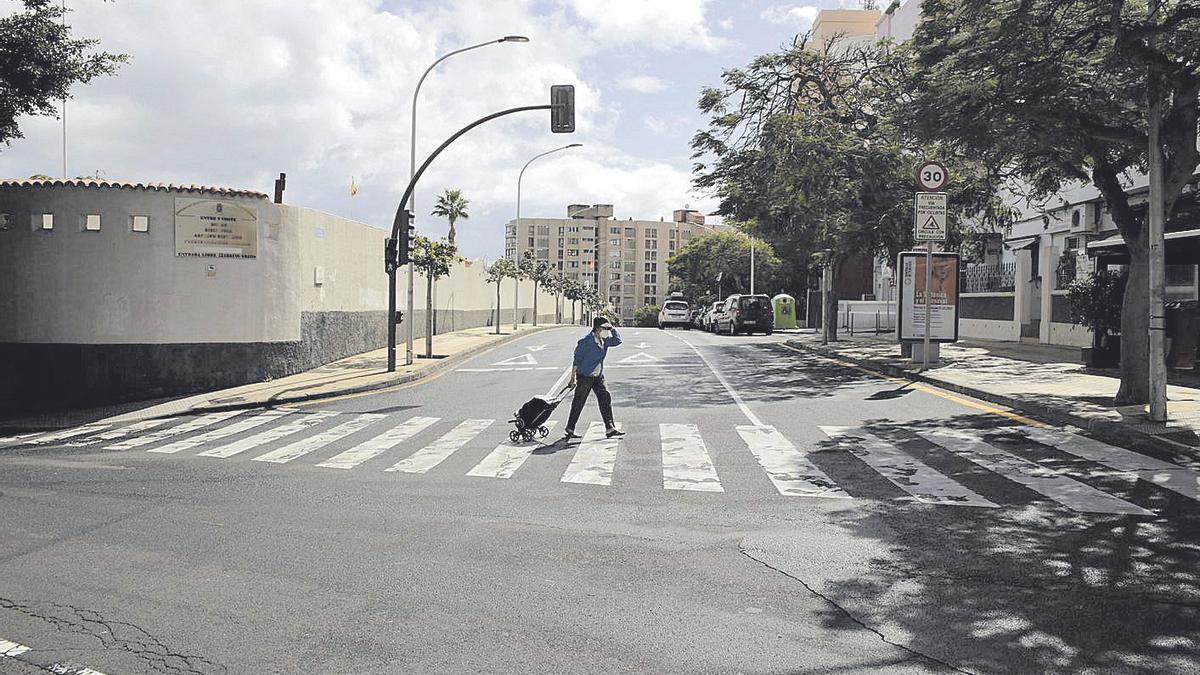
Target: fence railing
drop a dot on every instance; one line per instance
(998, 278)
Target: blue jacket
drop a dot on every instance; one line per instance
(588, 354)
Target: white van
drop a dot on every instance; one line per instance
(674, 313)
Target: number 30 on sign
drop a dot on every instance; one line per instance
(932, 176)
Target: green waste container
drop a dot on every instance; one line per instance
(785, 311)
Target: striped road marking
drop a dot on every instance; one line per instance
(63, 435)
(1163, 474)
(306, 445)
(1066, 491)
(433, 454)
(380, 444)
(595, 459)
(923, 482)
(504, 461)
(271, 435)
(686, 463)
(13, 650)
(792, 473)
(216, 434)
(185, 428)
(10, 648)
(132, 428)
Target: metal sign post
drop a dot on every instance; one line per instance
(929, 225)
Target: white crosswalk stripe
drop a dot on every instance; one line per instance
(306, 445)
(217, 434)
(792, 473)
(433, 454)
(595, 458)
(136, 427)
(65, 434)
(185, 428)
(923, 482)
(504, 461)
(686, 463)
(296, 424)
(1066, 491)
(380, 444)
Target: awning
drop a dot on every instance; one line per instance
(1019, 244)
(1182, 248)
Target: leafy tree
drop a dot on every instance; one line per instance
(694, 268)
(1057, 92)
(538, 271)
(433, 259)
(646, 317)
(1095, 303)
(497, 272)
(40, 60)
(797, 143)
(452, 206)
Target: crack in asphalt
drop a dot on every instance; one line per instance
(859, 622)
(133, 639)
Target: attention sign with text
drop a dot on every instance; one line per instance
(209, 228)
(943, 300)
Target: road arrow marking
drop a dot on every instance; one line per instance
(522, 360)
(640, 357)
(641, 345)
(537, 348)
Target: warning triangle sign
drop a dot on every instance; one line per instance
(640, 357)
(931, 224)
(522, 360)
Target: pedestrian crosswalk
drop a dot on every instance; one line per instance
(926, 464)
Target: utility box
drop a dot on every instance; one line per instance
(785, 311)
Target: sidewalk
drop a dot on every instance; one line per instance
(351, 375)
(1044, 381)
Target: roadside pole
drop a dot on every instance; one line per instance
(928, 295)
(1155, 223)
(929, 226)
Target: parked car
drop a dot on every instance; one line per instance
(710, 316)
(698, 318)
(674, 313)
(746, 314)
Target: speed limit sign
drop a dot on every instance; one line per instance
(932, 176)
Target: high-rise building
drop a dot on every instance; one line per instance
(625, 260)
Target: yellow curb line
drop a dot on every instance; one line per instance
(406, 385)
(929, 390)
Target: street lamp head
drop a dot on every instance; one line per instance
(513, 38)
(575, 145)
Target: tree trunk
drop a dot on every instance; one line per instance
(497, 308)
(535, 293)
(1135, 326)
(830, 303)
(429, 316)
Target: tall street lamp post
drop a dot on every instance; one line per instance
(412, 169)
(517, 286)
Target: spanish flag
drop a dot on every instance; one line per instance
(353, 187)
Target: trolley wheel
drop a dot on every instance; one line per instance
(514, 435)
(543, 432)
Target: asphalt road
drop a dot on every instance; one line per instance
(768, 512)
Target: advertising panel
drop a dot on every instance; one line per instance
(211, 228)
(943, 308)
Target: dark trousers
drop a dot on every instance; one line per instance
(583, 386)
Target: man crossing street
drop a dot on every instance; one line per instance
(587, 375)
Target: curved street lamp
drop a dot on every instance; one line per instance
(412, 168)
(517, 289)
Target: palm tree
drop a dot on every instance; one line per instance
(451, 205)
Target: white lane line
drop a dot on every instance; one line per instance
(433, 454)
(379, 444)
(306, 445)
(923, 482)
(792, 473)
(686, 463)
(1163, 474)
(12, 650)
(132, 428)
(216, 434)
(560, 383)
(504, 461)
(594, 459)
(724, 383)
(68, 433)
(1070, 493)
(185, 428)
(298, 424)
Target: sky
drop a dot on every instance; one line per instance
(233, 92)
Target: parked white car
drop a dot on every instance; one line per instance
(710, 316)
(674, 313)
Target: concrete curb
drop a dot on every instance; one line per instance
(1118, 431)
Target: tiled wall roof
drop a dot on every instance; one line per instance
(123, 185)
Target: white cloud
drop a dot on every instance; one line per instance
(659, 24)
(643, 84)
(802, 15)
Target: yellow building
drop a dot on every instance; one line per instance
(848, 26)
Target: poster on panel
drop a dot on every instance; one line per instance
(943, 305)
(212, 228)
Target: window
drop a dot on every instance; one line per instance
(649, 267)
(531, 242)
(572, 252)
(652, 234)
(631, 278)
(650, 279)
(630, 267)
(574, 241)
(543, 230)
(630, 232)
(91, 222)
(649, 290)
(543, 242)
(614, 276)
(531, 230)
(672, 247)
(562, 231)
(573, 228)
(615, 265)
(615, 243)
(651, 301)
(45, 222)
(652, 243)
(614, 230)
(651, 255)
(1072, 243)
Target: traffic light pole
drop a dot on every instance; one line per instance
(404, 218)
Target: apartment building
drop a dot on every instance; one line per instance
(626, 260)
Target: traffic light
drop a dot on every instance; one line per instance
(407, 231)
(389, 255)
(562, 112)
